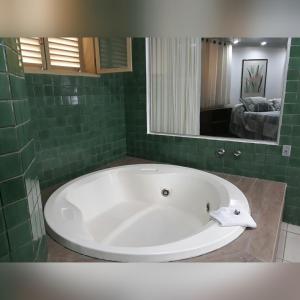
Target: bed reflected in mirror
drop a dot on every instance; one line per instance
(242, 87)
(216, 87)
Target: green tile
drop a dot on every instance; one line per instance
(286, 129)
(38, 78)
(72, 119)
(293, 74)
(10, 166)
(295, 51)
(4, 248)
(21, 109)
(295, 153)
(292, 86)
(20, 235)
(16, 213)
(18, 109)
(2, 60)
(46, 79)
(27, 155)
(5, 258)
(295, 41)
(24, 133)
(4, 87)
(12, 60)
(18, 87)
(16, 154)
(23, 254)
(291, 214)
(38, 90)
(48, 90)
(2, 222)
(9, 140)
(291, 108)
(13, 190)
(285, 140)
(12, 43)
(294, 63)
(7, 117)
(291, 98)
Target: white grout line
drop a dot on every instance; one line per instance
(284, 226)
(289, 229)
(293, 229)
(284, 247)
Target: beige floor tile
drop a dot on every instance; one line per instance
(293, 228)
(281, 244)
(292, 247)
(284, 226)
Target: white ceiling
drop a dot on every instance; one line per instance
(254, 42)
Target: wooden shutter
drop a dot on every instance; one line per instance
(32, 52)
(64, 53)
(114, 55)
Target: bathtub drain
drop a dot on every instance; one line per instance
(165, 192)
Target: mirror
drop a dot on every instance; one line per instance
(216, 87)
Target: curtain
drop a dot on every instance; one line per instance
(216, 73)
(174, 85)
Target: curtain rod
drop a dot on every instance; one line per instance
(214, 41)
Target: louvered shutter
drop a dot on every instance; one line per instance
(115, 55)
(64, 52)
(32, 51)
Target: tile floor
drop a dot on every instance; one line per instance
(289, 243)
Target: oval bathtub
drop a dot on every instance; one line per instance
(145, 212)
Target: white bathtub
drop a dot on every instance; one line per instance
(120, 214)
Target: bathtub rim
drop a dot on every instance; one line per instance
(145, 253)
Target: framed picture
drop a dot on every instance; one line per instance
(254, 76)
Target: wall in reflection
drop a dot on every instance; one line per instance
(242, 87)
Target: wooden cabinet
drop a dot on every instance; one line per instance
(215, 122)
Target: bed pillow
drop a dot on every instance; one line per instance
(257, 104)
(276, 102)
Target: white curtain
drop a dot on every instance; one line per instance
(174, 85)
(216, 73)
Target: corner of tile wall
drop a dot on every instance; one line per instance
(22, 231)
(291, 135)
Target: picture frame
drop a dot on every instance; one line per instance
(254, 77)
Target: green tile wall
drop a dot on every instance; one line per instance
(262, 161)
(22, 232)
(78, 123)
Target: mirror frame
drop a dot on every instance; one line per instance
(238, 140)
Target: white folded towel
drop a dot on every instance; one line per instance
(233, 216)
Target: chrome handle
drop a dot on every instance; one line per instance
(220, 152)
(237, 153)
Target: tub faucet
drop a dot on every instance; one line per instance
(220, 152)
(237, 153)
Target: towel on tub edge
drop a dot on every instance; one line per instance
(233, 216)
